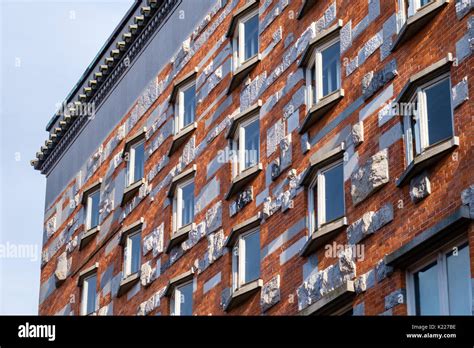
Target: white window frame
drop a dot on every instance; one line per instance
(84, 294)
(440, 257)
(317, 62)
(179, 107)
(178, 204)
(319, 184)
(239, 144)
(176, 305)
(89, 209)
(238, 40)
(127, 262)
(238, 262)
(421, 128)
(131, 162)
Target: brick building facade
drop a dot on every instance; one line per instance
(267, 162)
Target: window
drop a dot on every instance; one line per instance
(182, 300)
(183, 204)
(431, 121)
(323, 72)
(89, 295)
(136, 162)
(326, 196)
(246, 259)
(92, 210)
(185, 108)
(132, 254)
(414, 6)
(247, 144)
(246, 41)
(442, 284)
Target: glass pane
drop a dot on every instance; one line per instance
(251, 37)
(90, 285)
(134, 240)
(94, 209)
(252, 257)
(459, 281)
(438, 100)
(334, 192)
(426, 291)
(252, 144)
(186, 299)
(189, 96)
(424, 2)
(313, 84)
(330, 62)
(139, 159)
(187, 208)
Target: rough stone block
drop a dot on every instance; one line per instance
(420, 187)
(270, 294)
(63, 267)
(370, 177)
(357, 133)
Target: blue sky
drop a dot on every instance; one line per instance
(45, 47)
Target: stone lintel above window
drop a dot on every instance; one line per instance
(178, 280)
(321, 159)
(131, 191)
(187, 174)
(128, 230)
(242, 72)
(179, 236)
(241, 12)
(243, 116)
(182, 82)
(431, 239)
(318, 110)
(87, 236)
(89, 189)
(242, 179)
(426, 159)
(320, 39)
(415, 23)
(241, 228)
(433, 71)
(181, 137)
(87, 272)
(127, 283)
(242, 294)
(333, 301)
(323, 235)
(138, 136)
(307, 5)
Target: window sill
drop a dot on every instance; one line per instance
(179, 236)
(426, 159)
(333, 301)
(322, 235)
(87, 237)
(180, 137)
(243, 293)
(242, 71)
(243, 179)
(127, 283)
(416, 22)
(131, 191)
(322, 107)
